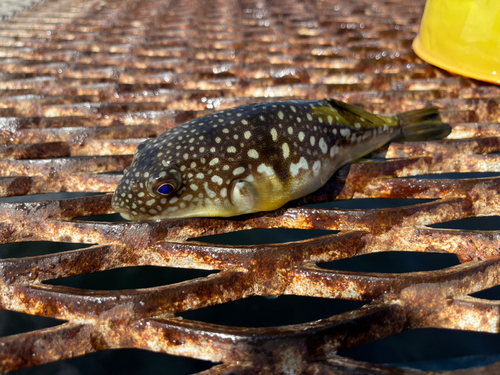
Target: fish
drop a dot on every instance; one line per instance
(257, 157)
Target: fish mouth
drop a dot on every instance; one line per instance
(115, 205)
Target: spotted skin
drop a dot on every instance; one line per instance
(247, 159)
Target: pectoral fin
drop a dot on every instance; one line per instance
(264, 194)
(244, 195)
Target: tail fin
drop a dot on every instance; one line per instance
(422, 125)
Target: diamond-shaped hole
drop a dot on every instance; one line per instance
(262, 236)
(270, 311)
(130, 278)
(393, 262)
(121, 361)
(454, 176)
(13, 322)
(430, 349)
(35, 248)
(471, 223)
(370, 203)
(490, 293)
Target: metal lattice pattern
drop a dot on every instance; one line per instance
(84, 82)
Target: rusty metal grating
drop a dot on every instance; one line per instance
(84, 82)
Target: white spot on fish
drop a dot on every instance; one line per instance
(223, 192)
(290, 130)
(286, 150)
(295, 167)
(247, 134)
(217, 180)
(312, 140)
(214, 161)
(150, 202)
(274, 134)
(281, 115)
(238, 171)
(316, 168)
(309, 117)
(334, 150)
(263, 168)
(209, 192)
(231, 149)
(253, 153)
(200, 175)
(323, 146)
(345, 132)
(301, 136)
(293, 108)
(193, 187)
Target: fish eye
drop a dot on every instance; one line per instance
(166, 187)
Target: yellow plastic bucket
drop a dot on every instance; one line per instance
(462, 37)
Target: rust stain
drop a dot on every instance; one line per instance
(85, 82)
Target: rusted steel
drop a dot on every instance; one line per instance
(84, 82)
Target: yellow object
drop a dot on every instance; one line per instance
(462, 36)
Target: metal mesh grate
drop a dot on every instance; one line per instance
(83, 82)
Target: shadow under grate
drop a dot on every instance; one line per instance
(335, 286)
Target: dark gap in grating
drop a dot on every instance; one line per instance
(454, 176)
(471, 223)
(35, 248)
(450, 364)
(425, 348)
(130, 278)
(270, 311)
(121, 361)
(99, 79)
(46, 197)
(262, 236)
(492, 293)
(393, 262)
(110, 218)
(370, 203)
(13, 322)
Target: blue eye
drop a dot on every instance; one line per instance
(166, 187)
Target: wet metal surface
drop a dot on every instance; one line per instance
(84, 82)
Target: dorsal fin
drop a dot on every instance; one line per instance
(351, 115)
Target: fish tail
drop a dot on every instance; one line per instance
(422, 124)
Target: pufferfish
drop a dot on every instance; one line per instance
(256, 157)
